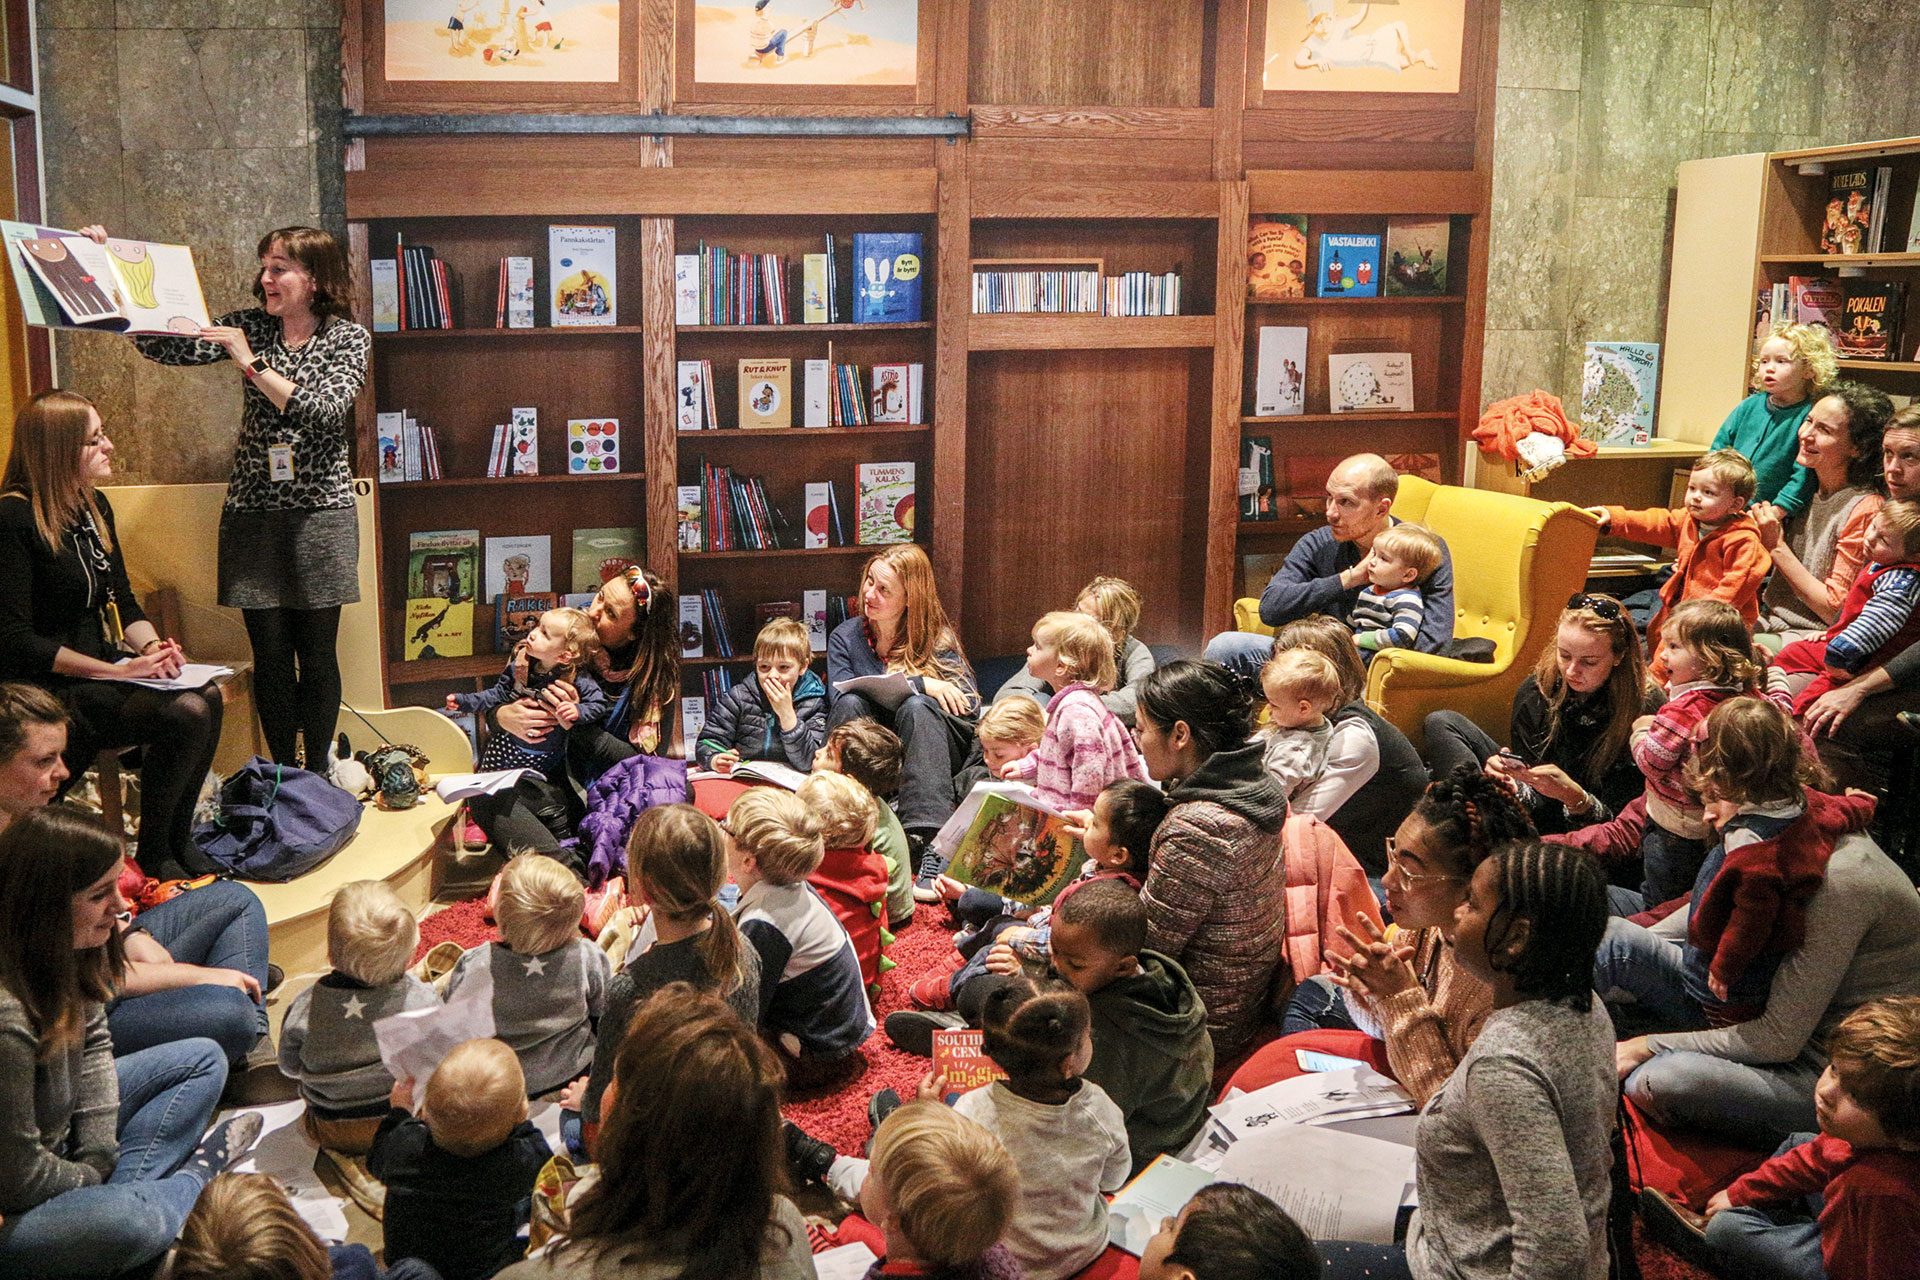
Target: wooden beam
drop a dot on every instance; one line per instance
(1223, 492)
(441, 193)
(1111, 333)
(1368, 191)
(657, 399)
(1045, 123)
(953, 300)
(1096, 199)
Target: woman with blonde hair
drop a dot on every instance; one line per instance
(69, 622)
(902, 629)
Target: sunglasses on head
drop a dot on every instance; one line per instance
(1605, 607)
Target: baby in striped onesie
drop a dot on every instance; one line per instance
(1387, 615)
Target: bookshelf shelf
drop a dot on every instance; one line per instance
(1842, 259)
(539, 332)
(1887, 366)
(430, 670)
(1321, 419)
(1290, 526)
(787, 552)
(691, 330)
(1364, 304)
(469, 482)
(1093, 333)
(734, 435)
(743, 660)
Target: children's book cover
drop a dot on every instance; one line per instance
(692, 498)
(1424, 465)
(780, 42)
(66, 281)
(442, 577)
(1816, 300)
(819, 501)
(1349, 266)
(600, 554)
(816, 282)
(1870, 319)
(693, 718)
(1849, 214)
(523, 443)
(1352, 46)
(766, 394)
(519, 293)
(1256, 479)
(1017, 852)
(691, 397)
(1370, 382)
(686, 288)
(518, 565)
(960, 1057)
(693, 632)
(593, 446)
(883, 503)
(890, 402)
(515, 614)
(385, 273)
(581, 276)
(524, 41)
(819, 375)
(391, 430)
(887, 277)
(1280, 373)
(1616, 392)
(813, 606)
(1417, 256)
(1277, 257)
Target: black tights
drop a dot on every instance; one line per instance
(296, 679)
(177, 733)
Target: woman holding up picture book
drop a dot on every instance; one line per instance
(289, 535)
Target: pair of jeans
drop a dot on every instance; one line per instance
(1778, 1242)
(934, 745)
(1635, 962)
(1241, 652)
(1318, 1004)
(1453, 741)
(221, 926)
(1754, 1105)
(167, 1098)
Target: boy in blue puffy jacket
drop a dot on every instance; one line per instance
(778, 713)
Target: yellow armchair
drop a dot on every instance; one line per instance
(1515, 562)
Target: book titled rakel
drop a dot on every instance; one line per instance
(1349, 266)
(690, 397)
(593, 446)
(581, 278)
(1017, 850)
(766, 394)
(1370, 382)
(883, 503)
(693, 632)
(602, 554)
(523, 442)
(819, 528)
(691, 498)
(514, 615)
(1277, 257)
(887, 277)
(1616, 392)
(442, 577)
(66, 281)
(518, 565)
(385, 273)
(1280, 375)
(1417, 256)
(390, 429)
(960, 1057)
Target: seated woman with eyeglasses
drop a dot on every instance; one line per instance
(1571, 721)
(1400, 1001)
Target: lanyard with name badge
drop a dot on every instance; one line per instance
(279, 454)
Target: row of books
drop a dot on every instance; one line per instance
(1295, 486)
(835, 395)
(1074, 290)
(446, 574)
(1143, 293)
(1357, 381)
(1350, 263)
(411, 290)
(725, 512)
(703, 617)
(713, 286)
(408, 450)
(735, 515)
(703, 621)
(1865, 317)
(414, 290)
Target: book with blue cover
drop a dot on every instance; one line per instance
(1349, 266)
(886, 277)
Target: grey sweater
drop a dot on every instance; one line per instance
(1862, 943)
(543, 1006)
(327, 1042)
(1136, 664)
(786, 1257)
(59, 1116)
(1513, 1151)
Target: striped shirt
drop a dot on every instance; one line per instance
(1389, 619)
(1894, 594)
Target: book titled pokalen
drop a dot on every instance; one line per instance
(582, 281)
(887, 277)
(1017, 850)
(883, 503)
(960, 1057)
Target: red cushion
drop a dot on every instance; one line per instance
(1276, 1061)
(714, 796)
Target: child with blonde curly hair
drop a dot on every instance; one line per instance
(1794, 364)
(1085, 746)
(851, 877)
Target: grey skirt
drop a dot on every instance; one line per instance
(289, 559)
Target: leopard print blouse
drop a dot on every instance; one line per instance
(327, 371)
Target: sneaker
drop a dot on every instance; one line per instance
(963, 936)
(1674, 1225)
(933, 992)
(807, 1157)
(275, 976)
(911, 1030)
(882, 1105)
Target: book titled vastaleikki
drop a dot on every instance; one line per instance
(1349, 266)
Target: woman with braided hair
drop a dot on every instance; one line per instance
(1512, 1154)
(1401, 1000)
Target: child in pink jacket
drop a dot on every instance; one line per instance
(1085, 746)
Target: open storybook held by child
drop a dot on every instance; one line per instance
(1003, 838)
(66, 281)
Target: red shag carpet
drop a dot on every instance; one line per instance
(837, 1112)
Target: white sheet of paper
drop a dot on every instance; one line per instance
(458, 786)
(193, 675)
(1161, 1190)
(1313, 1099)
(413, 1043)
(889, 690)
(545, 1115)
(1337, 1186)
(285, 1152)
(846, 1262)
(767, 771)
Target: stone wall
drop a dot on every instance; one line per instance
(1599, 100)
(199, 121)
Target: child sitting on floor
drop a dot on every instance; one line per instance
(870, 753)
(560, 647)
(327, 1042)
(1084, 746)
(1720, 555)
(549, 983)
(460, 1176)
(1877, 620)
(243, 1227)
(851, 877)
(1748, 908)
(1388, 613)
(1301, 686)
(778, 713)
(812, 999)
(1009, 731)
(1230, 1232)
(941, 1190)
(1858, 1179)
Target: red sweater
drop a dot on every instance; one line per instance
(853, 882)
(1870, 1226)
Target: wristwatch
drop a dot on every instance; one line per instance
(255, 367)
